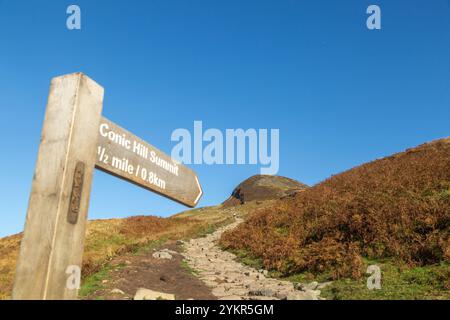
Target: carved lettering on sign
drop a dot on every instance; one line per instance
(75, 197)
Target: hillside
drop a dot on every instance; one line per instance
(394, 212)
(106, 239)
(111, 239)
(394, 208)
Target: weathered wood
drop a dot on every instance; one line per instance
(126, 156)
(55, 225)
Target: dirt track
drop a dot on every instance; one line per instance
(207, 273)
(132, 272)
(230, 280)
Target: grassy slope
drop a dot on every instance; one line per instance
(395, 209)
(108, 238)
(398, 281)
(336, 225)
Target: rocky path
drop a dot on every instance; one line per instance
(231, 280)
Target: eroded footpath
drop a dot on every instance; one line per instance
(231, 280)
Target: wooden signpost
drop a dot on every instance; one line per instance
(75, 140)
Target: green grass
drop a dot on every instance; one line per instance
(397, 283)
(204, 231)
(148, 247)
(113, 240)
(211, 228)
(244, 258)
(305, 277)
(94, 283)
(185, 266)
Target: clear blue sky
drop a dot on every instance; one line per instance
(340, 94)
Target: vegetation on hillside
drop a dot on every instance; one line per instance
(397, 208)
(393, 212)
(106, 239)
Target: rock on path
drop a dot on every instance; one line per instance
(231, 280)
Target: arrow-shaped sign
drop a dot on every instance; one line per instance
(128, 157)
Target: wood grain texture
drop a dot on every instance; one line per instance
(128, 157)
(51, 243)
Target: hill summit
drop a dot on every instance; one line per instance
(263, 187)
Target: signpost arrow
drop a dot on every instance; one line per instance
(128, 157)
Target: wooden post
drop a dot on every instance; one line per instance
(54, 234)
